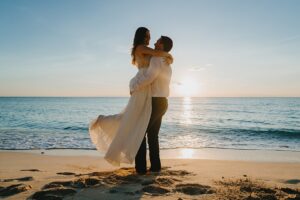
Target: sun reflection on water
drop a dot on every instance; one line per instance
(187, 107)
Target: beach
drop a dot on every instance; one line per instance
(84, 174)
(211, 148)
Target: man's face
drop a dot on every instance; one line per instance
(158, 45)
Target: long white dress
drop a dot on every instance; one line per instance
(121, 135)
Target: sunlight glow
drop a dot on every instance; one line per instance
(186, 153)
(189, 88)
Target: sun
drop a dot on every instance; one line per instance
(189, 88)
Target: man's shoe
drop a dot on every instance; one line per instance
(141, 172)
(155, 170)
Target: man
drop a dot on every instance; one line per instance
(158, 75)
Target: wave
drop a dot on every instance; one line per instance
(76, 128)
(166, 148)
(278, 133)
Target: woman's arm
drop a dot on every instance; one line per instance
(159, 53)
(169, 60)
(141, 49)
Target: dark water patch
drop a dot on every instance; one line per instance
(279, 133)
(250, 132)
(76, 128)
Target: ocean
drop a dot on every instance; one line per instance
(224, 123)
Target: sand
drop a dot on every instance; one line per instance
(50, 176)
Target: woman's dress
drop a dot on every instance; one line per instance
(121, 135)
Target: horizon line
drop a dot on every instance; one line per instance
(167, 97)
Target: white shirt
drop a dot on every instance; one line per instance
(158, 74)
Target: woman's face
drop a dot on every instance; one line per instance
(147, 38)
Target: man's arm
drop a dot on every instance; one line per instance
(150, 75)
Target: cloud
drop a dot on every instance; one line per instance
(200, 68)
(197, 69)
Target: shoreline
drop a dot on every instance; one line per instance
(188, 153)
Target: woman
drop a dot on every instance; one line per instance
(120, 135)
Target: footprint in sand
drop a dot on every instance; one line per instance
(66, 173)
(30, 170)
(193, 189)
(292, 181)
(155, 190)
(53, 193)
(79, 183)
(175, 173)
(290, 191)
(92, 181)
(119, 179)
(26, 178)
(257, 189)
(147, 182)
(165, 181)
(13, 189)
(56, 184)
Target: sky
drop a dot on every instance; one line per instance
(229, 48)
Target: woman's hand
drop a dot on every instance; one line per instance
(169, 59)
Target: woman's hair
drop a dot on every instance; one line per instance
(139, 38)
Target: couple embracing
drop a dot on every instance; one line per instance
(123, 136)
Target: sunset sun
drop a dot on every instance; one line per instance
(189, 88)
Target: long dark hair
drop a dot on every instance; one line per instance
(139, 38)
